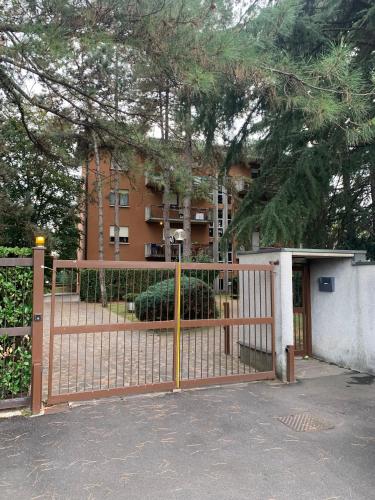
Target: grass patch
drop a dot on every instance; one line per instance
(120, 309)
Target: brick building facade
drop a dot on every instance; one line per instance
(141, 219)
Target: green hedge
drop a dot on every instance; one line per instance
(16, 284)
(208, 276)
(119, 282)
(157, 302)
(15, 366)
(15, 252)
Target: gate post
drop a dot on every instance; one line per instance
(177, 315)
(37, 327)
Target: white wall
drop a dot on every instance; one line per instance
(343, 322)
(283, 301)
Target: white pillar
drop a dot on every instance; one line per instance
(283, 301)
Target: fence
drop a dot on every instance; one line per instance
(140, 327)
(21, 286)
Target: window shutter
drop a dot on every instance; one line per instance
(124, 232)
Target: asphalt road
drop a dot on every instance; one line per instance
(217, 443)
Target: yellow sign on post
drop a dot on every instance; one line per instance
(178, 325)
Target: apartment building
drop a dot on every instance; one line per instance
(141, 218)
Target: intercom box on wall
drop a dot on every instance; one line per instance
(327, 284)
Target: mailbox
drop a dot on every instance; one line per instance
(327, 284)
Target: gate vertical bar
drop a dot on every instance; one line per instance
(37, 329)
(51, 333)
(177, 315)
(226, 329)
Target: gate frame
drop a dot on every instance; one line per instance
(246, 377)
(177, 323)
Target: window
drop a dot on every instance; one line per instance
(229, 255)
(173, 200)
(123, 198)
(220, 231)
(124, 234)
(220, 222)
(229, 217)
(220, 195)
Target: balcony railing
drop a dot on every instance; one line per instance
(154, 213)
(156, 251)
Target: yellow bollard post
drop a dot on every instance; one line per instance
(178, 324)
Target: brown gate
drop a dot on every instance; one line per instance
(301, 310)
(130, 327)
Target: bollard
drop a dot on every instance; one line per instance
(290, 375)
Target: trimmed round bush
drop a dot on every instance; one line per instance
(157, 302)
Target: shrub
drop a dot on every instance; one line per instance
(157, 302)
(15, 252)
(208, 276)
(66, 277)
(15, 365)
(16, 285)
(15, 292)
(119, 282)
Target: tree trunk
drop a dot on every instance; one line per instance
(215, 242)
(116, 188)
(99, 191)
(116, 183)
(349, 232)
(372, 190)
(166, 221)
(167, 180)
(189, 184)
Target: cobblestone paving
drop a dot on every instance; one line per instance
(106, 360)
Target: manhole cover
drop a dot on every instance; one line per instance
(305, 423)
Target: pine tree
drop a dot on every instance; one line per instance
(314, 92)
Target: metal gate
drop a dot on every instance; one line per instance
(132, 327)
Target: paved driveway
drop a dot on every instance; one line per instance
(218, 443)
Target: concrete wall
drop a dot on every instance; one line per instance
(343, 322)
(283, 301)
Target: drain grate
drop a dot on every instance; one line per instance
(305, 422)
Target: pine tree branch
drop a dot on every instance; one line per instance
(314, 87)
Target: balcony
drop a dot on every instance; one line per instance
(156, 251)
(154, 213)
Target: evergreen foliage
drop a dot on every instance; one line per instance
(292, 81)
(158, 301)
(315, 135)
